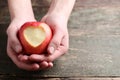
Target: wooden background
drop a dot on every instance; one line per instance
(94, 29)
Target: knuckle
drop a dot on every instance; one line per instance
(50, 58)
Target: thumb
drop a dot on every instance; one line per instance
(55, 42)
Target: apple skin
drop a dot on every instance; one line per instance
(28, 48)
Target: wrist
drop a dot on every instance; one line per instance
(59, 16)
(61, 7)
(23, 17)
(23, 10)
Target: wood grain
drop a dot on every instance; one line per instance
(94, 50)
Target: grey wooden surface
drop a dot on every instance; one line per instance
(94, 29)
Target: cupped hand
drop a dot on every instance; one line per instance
(59, 43)
(14, 48)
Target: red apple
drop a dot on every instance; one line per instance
(35, 37)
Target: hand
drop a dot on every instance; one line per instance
(59, 43)
(14, 47)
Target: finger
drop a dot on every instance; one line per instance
(50, 65)
(40, 58)
(23, 58)
(55, 42)
(46, 65)
(11, 53)
(14, 42)
(43, 65)
(37, 57)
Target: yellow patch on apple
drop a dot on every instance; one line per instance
(34, 36)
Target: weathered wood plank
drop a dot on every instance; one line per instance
(94, 43)
(94, 47)
(60, 78)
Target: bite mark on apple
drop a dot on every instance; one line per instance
(34, 36)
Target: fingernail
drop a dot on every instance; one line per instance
(52, 50)
(17, 49)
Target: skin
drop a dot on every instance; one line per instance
(56, 18)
